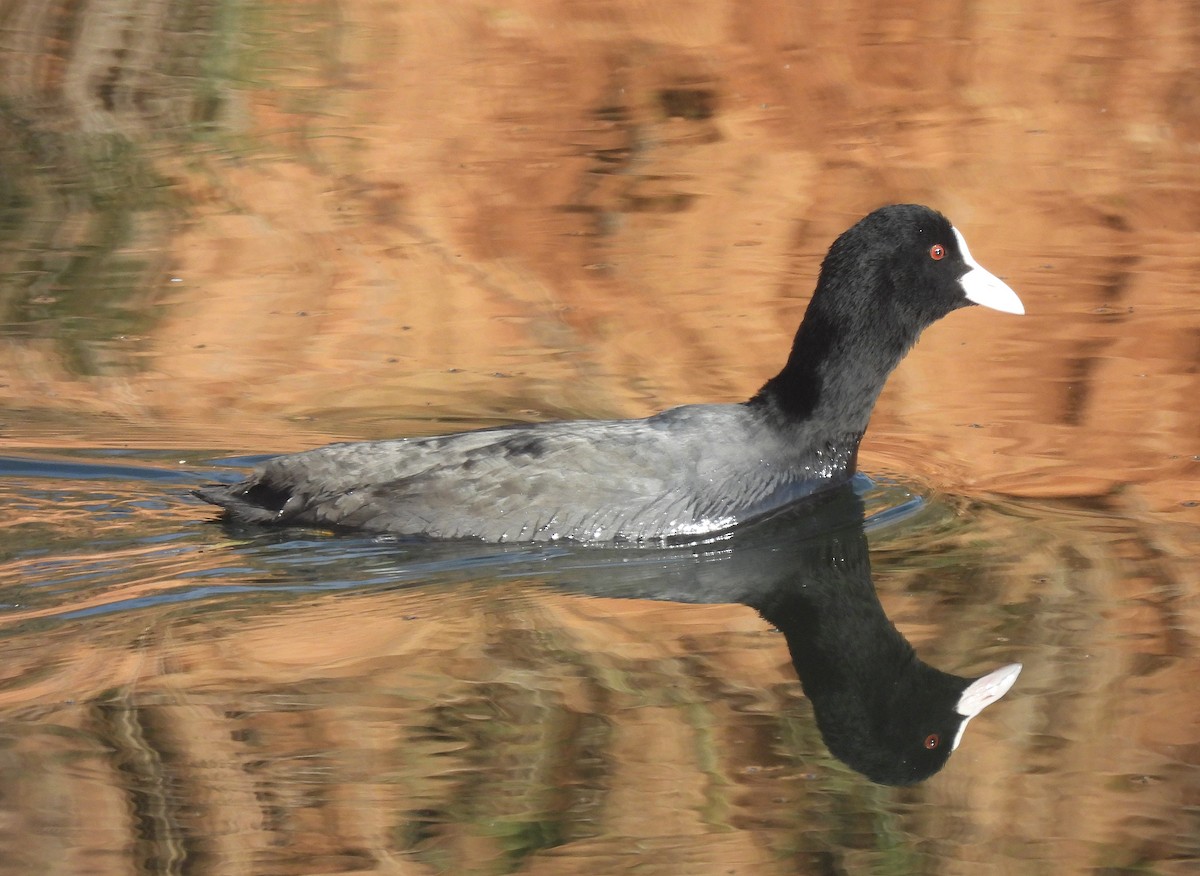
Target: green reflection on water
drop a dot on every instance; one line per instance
(88, 203)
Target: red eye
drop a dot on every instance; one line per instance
(937, 252)
(932, 740)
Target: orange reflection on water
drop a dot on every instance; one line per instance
(295, 223)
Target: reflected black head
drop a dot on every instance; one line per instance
(900, 731)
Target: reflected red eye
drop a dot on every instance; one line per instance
(937, 252)
(932, 740)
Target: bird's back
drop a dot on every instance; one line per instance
(596, 480)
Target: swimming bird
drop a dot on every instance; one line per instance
(686, 472)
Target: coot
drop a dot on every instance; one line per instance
(686, 472)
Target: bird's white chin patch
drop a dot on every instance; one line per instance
(982, 692)
(983, 287)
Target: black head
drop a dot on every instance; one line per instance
(903, 267)
(905, 730)
(883, 282)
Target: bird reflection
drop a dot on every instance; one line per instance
(807, 571)
(879, 708)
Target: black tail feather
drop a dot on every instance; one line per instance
(242, 504)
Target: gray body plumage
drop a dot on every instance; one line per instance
(589, 480)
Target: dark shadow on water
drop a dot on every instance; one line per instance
(880, 709)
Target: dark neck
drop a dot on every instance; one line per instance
(836, 371)
(850, 659)
(839, 637)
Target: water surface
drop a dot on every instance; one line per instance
(232, 230)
